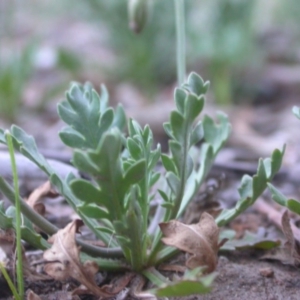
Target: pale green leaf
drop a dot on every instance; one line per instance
(180, 96)
(196, 84)
(173, 182)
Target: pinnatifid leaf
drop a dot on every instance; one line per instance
(292, 204)
(277, 195)
(88, 192)
(197, 134)
(250, 240)
(168, 164)
(177, 124)
(180, 97)
(87, 117)
(193, 107)
(134, 174)
(27, 146)
(93, 211)
(168, 129)
(133, 148)
(216, 134)
(196, 84)
(173, 182)
(251, 188)
(259, 180)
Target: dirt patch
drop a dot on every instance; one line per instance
(241, 276)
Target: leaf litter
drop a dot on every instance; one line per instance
(200, 240)
(289, 253)
(63, 262)
(34, 199)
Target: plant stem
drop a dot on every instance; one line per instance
(9, 282)
(18, 215)
(182, 175)
(180, 41)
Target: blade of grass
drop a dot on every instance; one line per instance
(9, 282)
(19, 263)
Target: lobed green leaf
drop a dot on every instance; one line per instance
(93, 211)
(196, 84)
(180, 98)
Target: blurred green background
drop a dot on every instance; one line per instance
(45, 44)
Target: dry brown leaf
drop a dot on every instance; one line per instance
(119, 283)
(200, 240)
(32, 296)
(114, 288)
(64, 262)
(172, 268)
(290, 252)
(7, 257)
(31, 274)
(136, 288)
(292, 245)
(34, 198)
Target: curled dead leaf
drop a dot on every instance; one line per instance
(34, 198)
(200, 240)
(290, 252)
(292, 245)
(64, 262)
(32, 296)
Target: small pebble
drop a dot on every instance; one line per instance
(266, 272)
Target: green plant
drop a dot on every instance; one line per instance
(10, 283)
(18, 216)
(123, 180)
(115, 203)
(19, 255)
(291, 204)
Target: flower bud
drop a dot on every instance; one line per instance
(137, 13)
